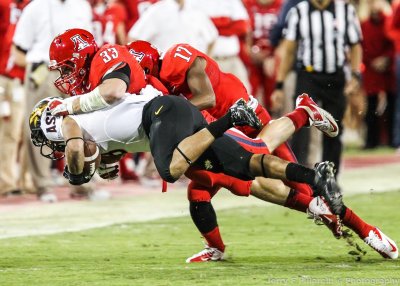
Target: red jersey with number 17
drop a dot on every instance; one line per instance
(175, 65)
(107, 59)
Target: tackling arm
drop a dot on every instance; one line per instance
(200, 85)
(112, 88)
(108, 92)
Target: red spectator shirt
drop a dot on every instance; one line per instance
(175, 65)
(8, 24)
(105, 25)
(262, 18)
(376, 43)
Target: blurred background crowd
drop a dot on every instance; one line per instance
(244, 37)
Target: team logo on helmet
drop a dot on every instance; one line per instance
(36, 114)
(138, 55)
(79, 43)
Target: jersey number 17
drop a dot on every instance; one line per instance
(183, 53)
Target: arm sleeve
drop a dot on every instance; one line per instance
(122, 71)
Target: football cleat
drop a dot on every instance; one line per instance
(325, 185)
(319, 117)
(382, 244)
(242, 115)
(207, 254)
(320, 212)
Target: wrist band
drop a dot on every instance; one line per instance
(356, 75)
(72, 138)
(279, 85)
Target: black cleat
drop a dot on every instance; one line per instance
(325, 185)
(242, 115)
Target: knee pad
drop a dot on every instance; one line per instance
(203, 216)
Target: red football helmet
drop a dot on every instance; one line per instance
(147, 55)
(71, 54)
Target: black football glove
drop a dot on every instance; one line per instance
(76, 180)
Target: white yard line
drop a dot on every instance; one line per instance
(44, 219)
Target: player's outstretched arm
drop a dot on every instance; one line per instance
(200, 85)
(112, 88)
(108, 92)
(74, 153)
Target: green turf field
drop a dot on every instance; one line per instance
(266, 246)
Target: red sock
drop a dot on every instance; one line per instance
(299, 117)
(353, 221)
(298, 201)
(214, 239)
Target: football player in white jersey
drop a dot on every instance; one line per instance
(166, 126)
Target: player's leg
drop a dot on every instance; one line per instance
(278, 131)
(227, 156)
(269, 190)
(285, 152)
(370, 234)
(179, 134)
(190, 148)
(205, 219)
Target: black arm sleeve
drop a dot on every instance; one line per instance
(123, 72)
(21, 49)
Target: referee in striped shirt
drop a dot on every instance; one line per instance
(321, 35)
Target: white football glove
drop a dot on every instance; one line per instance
(108, 171)
(58, 107)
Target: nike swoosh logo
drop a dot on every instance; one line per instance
(158, 111)
(333, 125)
(393, 248)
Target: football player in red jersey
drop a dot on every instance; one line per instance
(263, 16)
(99, 76)
(184, 70)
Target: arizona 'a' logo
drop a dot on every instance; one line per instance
(137, 55)
(79, 43)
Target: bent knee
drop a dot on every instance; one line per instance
(177, 169)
